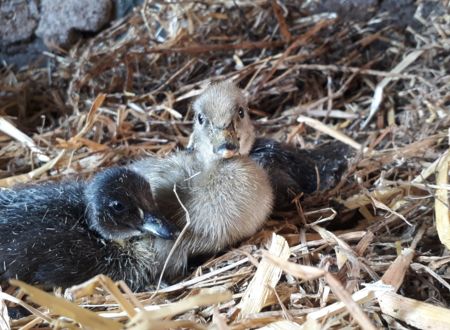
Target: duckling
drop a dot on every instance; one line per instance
(227, 196)
(61, 234)
(291, 170)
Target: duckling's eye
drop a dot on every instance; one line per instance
(201, 119)
(241, 112)
(117, 206)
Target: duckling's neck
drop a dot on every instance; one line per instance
(206, 160)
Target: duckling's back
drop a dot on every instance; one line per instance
(294, 171)
(47, 255)
(43, 231)
(43, 202)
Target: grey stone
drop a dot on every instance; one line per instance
(23, 53)
(18, 20)
(60, 20)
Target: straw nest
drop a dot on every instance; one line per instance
(370, 253)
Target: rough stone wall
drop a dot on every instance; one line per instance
(26, 26)
(61, 20)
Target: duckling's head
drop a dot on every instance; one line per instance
(222, 126)
(120, 205)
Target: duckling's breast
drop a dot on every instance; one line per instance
(43, 202)
(229, 202)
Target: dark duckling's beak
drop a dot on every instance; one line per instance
(158, 226)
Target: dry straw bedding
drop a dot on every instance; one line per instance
(370, 253)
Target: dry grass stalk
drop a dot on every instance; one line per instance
(177, 241)
(329, 131)
(4, 317)
(23, 178)
(64, 308)
(413, 312)
(289, 325)
(361, 297)
(309, 273)
(441, 204)
(205, 298)
(395, 274)
(112, 288)
(430, 170)
(163, 325)
(31, 309)
(265, 279)
(9, 129)
(378, 95)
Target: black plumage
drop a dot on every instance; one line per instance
(293, 171)
(61, 234)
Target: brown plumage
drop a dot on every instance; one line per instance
(227, 195)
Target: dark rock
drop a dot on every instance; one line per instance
(61, 20)
(24, 53)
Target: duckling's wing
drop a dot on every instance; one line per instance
(288, 168)
(292, 170)
(50, 255)
(332, 160)
(41, 202)
(7, 195)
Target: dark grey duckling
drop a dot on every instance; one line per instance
(61, 234)
(291, 170)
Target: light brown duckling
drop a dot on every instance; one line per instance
(291, 170)
(222, 127)
(227, 195)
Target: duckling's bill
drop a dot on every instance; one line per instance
(158, 226)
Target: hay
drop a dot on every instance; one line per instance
(368, 253)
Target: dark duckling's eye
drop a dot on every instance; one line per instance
(241, 112)
(117, 206)
(201, 119)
